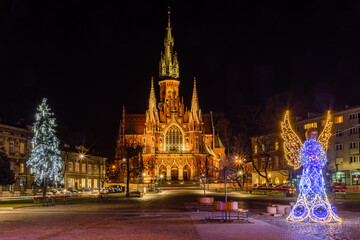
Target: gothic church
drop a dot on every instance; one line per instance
(178, 142)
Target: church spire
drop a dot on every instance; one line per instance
(152, 114)
(194, 100)
(152, 98)
(169, 65)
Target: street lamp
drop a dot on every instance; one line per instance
(161, 176)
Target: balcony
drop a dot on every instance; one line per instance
(354, 151)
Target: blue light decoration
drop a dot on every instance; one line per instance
(312, 204)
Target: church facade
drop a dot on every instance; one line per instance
(178, 143)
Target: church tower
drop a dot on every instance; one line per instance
(169, 65)
(177, 142)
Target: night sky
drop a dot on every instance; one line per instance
(89, 58)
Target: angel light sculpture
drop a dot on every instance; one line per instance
(312, 204)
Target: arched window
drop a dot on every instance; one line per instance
(174, 139)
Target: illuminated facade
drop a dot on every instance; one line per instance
(179, 143)
(344, 147)
(15, 141)
(277, 170)
(82, 169)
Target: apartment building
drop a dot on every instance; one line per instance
(82, 168)
(344, 150)
(267, 154)
(15, 142)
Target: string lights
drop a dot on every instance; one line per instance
(312, 204)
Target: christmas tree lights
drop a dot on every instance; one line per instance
(45, 158)
(312, 204)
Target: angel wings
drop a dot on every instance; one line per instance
(293, 144)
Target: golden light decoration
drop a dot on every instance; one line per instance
(326, 133)
(292, 143)
(312, 204)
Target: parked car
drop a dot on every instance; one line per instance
(86, 191)
(62, 192)
(117, 188)
(104, 190)
(110, 189)
(95, 191)
(136, 193)
(74, 192)
(337, 187)
(49, 192)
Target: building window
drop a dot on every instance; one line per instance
(196, 144)
(70, 182)
(354, 159)
(310, 125)
(71, 167)
(276, 162)
(256, 163)
(89, 168)
(341, 177)
(22, 148)
(355, 178)
(354, 145)
(77, 167)
(255, 149)
(22, 169)
(338, 119)
(270, 163)
(11, 147)
(339, 147)
(83, 167)
(276, 146)
(83, 182)
(174, 139)
(354, 130)
(95, 169)
(262, 163)
(353, 116)
(95, 183)
(89, 183)
(338, 133)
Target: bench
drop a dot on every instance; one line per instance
(37, 199)
(239, 214)
(45, 202)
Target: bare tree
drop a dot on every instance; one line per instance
(262, 144)
(130, 159)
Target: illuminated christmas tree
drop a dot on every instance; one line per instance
(45, 159)
(312, 204)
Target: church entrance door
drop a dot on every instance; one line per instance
(186, 173)
(174, 174)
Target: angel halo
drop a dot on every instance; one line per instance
(312, 204)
